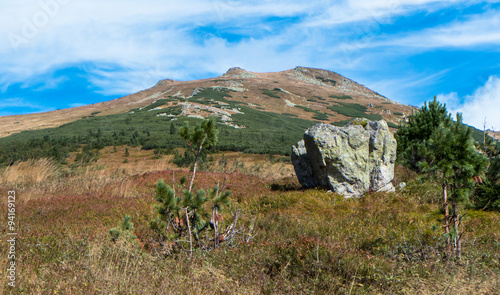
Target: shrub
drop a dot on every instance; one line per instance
(318, 115)
(124, 231)
(354, 110)
(271, 92)
(340, 96)
(186, 216)
(218, 94)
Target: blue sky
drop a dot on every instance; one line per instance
(63, 53)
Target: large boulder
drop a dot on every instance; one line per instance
(350, 160)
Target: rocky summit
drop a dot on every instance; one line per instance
(349, 160)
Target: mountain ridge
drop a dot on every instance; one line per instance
(302, 91)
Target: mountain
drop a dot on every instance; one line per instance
(306, 93)
(259, 113)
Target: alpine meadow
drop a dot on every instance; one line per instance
(189, 188)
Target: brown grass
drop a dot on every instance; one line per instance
(304, 242)
(32, 171)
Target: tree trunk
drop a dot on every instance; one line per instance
(189, 231)
(456, 223)
(446, 218)
(194, 168)
(216, 227)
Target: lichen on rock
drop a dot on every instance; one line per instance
(350, 160)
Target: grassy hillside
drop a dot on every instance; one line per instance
(152, 128)
(304, 241)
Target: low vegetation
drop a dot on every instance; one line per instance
(327, 81)
(302, 242)
(317, 114)
(274, 93)
(265, 133)
(340, 96)
(354, 110)
(82, 232)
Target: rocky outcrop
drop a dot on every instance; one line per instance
(238, 72)
(350, 160)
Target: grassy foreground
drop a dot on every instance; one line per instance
(304, 241)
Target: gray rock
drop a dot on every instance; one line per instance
(351, 160)
(302, 165)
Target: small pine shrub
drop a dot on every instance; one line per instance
(186, 216)
(340, 96)
(271, 93)
(354, 110)
(124, 231)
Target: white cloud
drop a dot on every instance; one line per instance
(378, 11)
(17, 102)
(130, 44)
(136, 37)
(476, 30)
(399, 89)
(483, 104)
(451, 100)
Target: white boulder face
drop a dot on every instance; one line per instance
(302, 165)
(350, 160)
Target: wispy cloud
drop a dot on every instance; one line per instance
(380, 11)
(125, 46)
(8, 106)
(476, 30)
(478, 107)
(402, 89)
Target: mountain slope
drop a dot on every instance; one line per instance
(302, 92)
(259, 113)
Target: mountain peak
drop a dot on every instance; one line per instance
(238, 72)
(302, 92)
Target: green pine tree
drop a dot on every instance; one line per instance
(184, 214)
(450, 154)
(487, 194)
(173, 130)
(413, 144)
(412, 137)
(201, 136)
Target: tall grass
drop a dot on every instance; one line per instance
(304, 242)
(32, 171)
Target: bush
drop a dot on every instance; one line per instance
(354, 110)
(185, 217)
(271, 92)
(124, 231)
(487, 197)
(217, 94)
(318, 115)
(340, 96)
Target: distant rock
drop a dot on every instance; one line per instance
(238, 72)
(164, 82)
(350, 160)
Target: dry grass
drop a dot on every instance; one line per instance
(255, 165)
(32, 171)
(305, 242)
